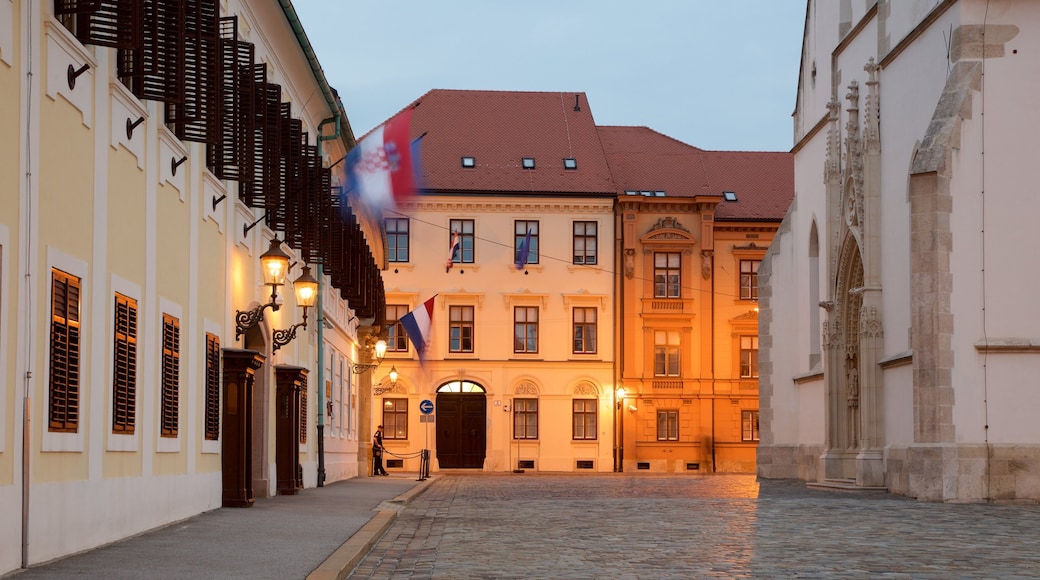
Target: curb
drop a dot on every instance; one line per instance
(350, 553)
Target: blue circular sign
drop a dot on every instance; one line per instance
(426, 406)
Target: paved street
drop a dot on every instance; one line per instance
(693, 526)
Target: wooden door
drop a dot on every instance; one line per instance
(461, 430)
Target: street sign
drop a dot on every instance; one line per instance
(426, 406)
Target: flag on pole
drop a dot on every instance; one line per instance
(382, 168)
(451, 251)
(523, 253)
(418, 325)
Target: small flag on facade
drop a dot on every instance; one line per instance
(523, 253)
(451, 251)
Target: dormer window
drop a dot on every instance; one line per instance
(570, 163)
(729, 195)
(528, 163)
(469, 162)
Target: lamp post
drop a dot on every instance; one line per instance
(621, 428)
(274, 263)
(380, 352)
(393, 383)
(306, 288)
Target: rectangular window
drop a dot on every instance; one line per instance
(397, 239)
(584, 330)
(171, 374)
(748, 357)
(584, 418)
(749, 420)
(395, 418)
(460, 329)
(525, 329)
(585, 242)
(667, 274)
(396, 337)
(64, 353)
(525, 418)
(212, 411)
(668, 425)
(520, 229)
(749, 279)
(467, 237)
(666, 353)
(124, 366)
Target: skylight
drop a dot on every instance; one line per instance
(570, 163)
(469, 162)
(528, 163)
(729, 195)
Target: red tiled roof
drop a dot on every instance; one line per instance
(642, 159)
(498, 129)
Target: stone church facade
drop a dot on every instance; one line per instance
(899, 340)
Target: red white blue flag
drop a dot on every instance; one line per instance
(382, 168)
(418, 324)
(451, 251)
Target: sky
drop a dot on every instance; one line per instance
(716, 74)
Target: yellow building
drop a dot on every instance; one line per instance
(148, 159)
(628, 341)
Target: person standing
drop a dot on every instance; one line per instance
(377, 453)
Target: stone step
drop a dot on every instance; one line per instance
(845, 485)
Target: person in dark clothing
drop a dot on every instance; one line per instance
(377, 453)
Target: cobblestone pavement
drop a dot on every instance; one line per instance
(694, 526)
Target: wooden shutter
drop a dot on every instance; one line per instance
(232, 156)
(64, 353)
(113, 23)
(212, 411)
(124, 366)
(171, 366)
(265, 144)
(154, 70)
(197, 116)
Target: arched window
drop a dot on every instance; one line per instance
(460, 387)
(814, 297)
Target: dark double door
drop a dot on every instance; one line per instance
(461, 431)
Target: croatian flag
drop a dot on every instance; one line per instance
(382, 167)
(418, 324)
(451, 251)
(524, 252)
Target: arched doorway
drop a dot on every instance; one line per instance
(461, 425)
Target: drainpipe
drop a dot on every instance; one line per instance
(342, 125)
(712, 355)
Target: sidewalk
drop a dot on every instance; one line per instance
(318, 534)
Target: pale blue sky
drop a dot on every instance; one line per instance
(716, 74)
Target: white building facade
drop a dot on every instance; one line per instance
(899, 341)
(134, 208)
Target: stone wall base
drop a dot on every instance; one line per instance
(789, 462)
(965, 473)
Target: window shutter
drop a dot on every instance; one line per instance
(112, 23)
(64, 353)
(124, 372)
(212, 419)
(154, 69)
(170, 403)
(232, 156)
(197, 116)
